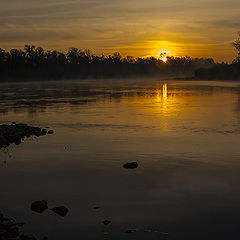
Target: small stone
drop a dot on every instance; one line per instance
(131, 165)
(106, 222)
(39, 206)
(50, 132)
(96, 207)
(62, 211)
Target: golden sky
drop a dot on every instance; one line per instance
(203, 28)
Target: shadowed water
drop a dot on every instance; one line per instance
(184, 135)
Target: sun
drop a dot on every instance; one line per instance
(163, 55)
(164, 59)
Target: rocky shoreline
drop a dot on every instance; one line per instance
(16, 133)
(9, 230)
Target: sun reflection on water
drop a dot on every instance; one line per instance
(162, 95)
(163, 105)
(164, 91)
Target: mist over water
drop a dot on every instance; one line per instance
(184, 135)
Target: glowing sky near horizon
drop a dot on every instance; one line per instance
(203, 28)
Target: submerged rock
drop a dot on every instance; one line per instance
(131, 165)
(39, 206)
(62, 211)
(106, 222)
(9, 228)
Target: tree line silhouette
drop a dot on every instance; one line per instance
(36, 63)
(222, 71)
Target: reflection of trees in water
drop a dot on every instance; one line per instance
(39, 98)
(237, 110)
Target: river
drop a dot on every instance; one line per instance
(185, 136)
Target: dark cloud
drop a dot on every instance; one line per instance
(227, 23)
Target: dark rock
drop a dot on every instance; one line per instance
(62, 211)
(8, 228)
(3, 142)
(22, 125)
(15, 133)
(17, 140)
(44, 131)
(106, 222)
(50, 132)
(39, 206)
(131, 165)
(96, 207)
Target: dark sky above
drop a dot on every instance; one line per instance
(203, 28)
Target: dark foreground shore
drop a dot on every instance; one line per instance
(16, 133)
(10, 229)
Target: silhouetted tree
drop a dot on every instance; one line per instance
(36, 63)
(223, 71)
(236, 44)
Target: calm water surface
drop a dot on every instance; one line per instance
(184, 135)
